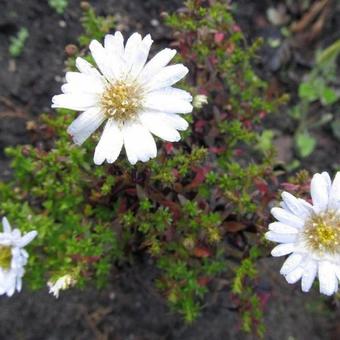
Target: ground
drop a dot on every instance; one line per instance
(130, 307)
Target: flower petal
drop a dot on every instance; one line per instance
(159, 126)
(281, 228)
(140, 56)
(292, 262)
(138, 143)
(100, 56)
(166, 103)
(157, 63)
(86, 68)
(26, 239)
(283, 249)
(334, 195)
(86, 123)
(295, 275)
(167, 76)
(319, 193)
(110, 144)
(287, 218)
(75, 101)
(308, 276)
(6, 225)
(114, 44)
(296, 206)
(327, 278)
(280, 238)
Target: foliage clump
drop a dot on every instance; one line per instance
(193, 209)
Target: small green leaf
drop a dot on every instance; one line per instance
(328, 96)
(308, 92)
(305, 144)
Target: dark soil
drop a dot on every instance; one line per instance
(130, 307)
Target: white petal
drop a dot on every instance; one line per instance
(327, 278)
(26, 239)
(6, 225)
(131, 49)
(319, 193)
(167, 76)
(86, 123)
(166, 103)
(86, 68)
(334, 195)
(175, 92)
(295, 275)
(283, 249)
(138, 142)
(296, 206)
(308, 276)
(75, 101)
(100, 56)
(159, 127)
(157, 63)
(170, 119)
(85, 83)
(280, 238)
(115, 44)
(281, 228)
(327, 178)
(140, 55)
(110, 144)
(287, 218)
(292, 262)
(19, 284)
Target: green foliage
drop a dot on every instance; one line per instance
(95, 26)
(58, 5)
(249, 301)
(17, 44)
(188, 209)
(318, 87)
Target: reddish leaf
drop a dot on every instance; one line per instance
(202, 252)
(234, 226)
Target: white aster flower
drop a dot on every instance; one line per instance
(62, 283)
(134, 97)
(311, 234)
(13, 257)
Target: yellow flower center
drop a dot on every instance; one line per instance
(322, 232)
(122, 101)
(5, 257)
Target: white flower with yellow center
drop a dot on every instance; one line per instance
(311, 234)
(133, 96)
(13, 257)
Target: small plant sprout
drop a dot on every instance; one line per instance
(62, 283)
(13, 258)
(135, 98)
(58, 5)
(18, 42)
(311, 234)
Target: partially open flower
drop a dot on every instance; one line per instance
(13, 257)
(311, 233)
(62, 283)
(135, 97)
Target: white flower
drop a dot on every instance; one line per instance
(199, 101)
(61, 283)
(135, 97)
(13, 257)
(311, 233)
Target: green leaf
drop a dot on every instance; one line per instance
(305, 144)
(308, 92)
(328, 96)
